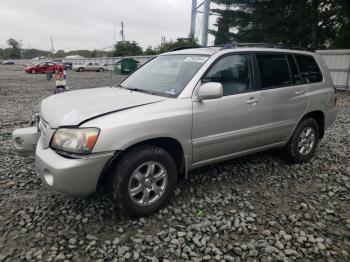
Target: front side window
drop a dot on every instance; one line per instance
(165, 75)
(274, 70)
(233, 72)
(309, 69)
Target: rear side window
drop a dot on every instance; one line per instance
(309, 69)
(274, 70)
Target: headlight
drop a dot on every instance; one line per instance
(75, 140)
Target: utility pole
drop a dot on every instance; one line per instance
(122, 31)
(21, 48)
(205, 23)
(193, 19)
(205, 20)
(114, 36)
(52, 48)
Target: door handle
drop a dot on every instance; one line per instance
(299, 92)
(252, 101)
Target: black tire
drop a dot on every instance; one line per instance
(81, 69)
(101, 70)
(122, 174)
(292, 148)
(33, 71)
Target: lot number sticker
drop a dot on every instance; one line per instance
(196, 59)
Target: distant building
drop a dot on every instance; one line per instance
(74, 57)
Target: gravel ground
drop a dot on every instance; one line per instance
(253, 208)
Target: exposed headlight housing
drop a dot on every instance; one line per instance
(75, 140)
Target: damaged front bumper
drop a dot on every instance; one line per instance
(24, 140)
(75, 176)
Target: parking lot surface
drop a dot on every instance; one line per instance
(258, 207)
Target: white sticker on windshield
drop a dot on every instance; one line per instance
(172, 91)
(196, 59)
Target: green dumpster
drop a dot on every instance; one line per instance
(126, 66)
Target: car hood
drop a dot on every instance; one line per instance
(74, 107)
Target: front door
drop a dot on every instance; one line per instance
(225, 126)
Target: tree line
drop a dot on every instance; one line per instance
(315, 24)
(122, 48)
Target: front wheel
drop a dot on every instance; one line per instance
(144, 180)
(101, 70)
(301, 147)
(33, 71)
(81, 69)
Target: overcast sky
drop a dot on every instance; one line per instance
(90, 24)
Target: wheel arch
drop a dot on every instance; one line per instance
(171, 145)
(319, 117)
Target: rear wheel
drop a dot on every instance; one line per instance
(144, 180)
(301, 147)
(81, 69)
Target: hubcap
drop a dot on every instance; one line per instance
(147, 183)
(306, 140)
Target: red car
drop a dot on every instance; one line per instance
(44, 67)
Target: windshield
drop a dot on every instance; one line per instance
(165, 75)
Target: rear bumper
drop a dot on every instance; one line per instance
(67, 175)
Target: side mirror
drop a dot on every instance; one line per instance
(210, 90)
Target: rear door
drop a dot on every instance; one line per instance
(228, 125)
(283, 96)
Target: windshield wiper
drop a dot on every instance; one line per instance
(135, 89)
(131, 88)
(139, 90)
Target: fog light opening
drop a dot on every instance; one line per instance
(48, 178)
(19, 142)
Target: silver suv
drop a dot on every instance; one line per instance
(182, 110)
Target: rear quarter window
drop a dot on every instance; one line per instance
(309, 69)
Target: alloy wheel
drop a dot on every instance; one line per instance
(148, 183)
(306, 140)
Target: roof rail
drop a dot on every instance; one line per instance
(182, 48)
(267, 45)
(236, 45)
(302, 48)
